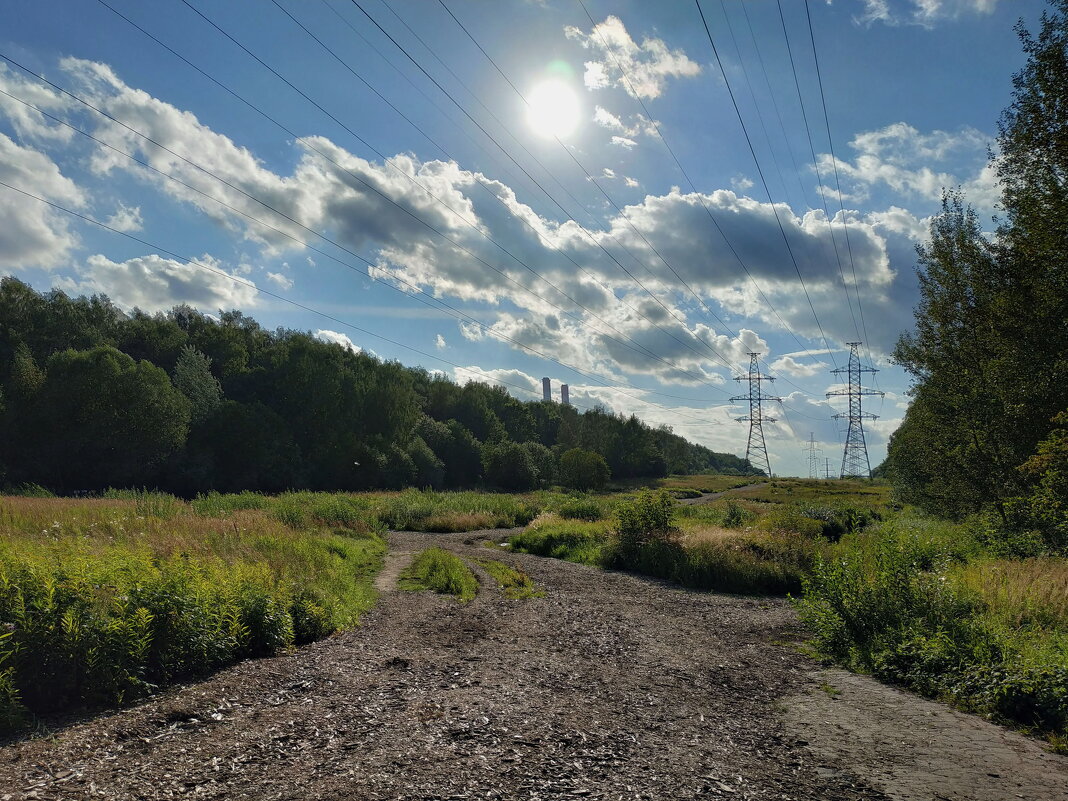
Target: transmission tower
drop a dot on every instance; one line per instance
(756, 452)
(855, 462)
(813, 456)
(827, 468)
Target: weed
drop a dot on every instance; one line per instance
(512, 581)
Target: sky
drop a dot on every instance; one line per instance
(604, 193)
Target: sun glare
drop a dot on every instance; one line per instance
(553, 109)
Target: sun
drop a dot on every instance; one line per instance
(553, 109)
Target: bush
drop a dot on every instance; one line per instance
(583, 470)
(509, 466)
(645, 520)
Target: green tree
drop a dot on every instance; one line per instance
(101, 419)
(192, 376)
(508, 465)
(583, 470)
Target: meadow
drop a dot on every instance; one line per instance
(103, 600)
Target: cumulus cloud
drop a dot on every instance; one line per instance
(925, 13)
(33, 234)
(29, 123)
(337, 338)
(154, 283)
(126, 218)
(641, 70)
(788, 364)
(915, 164)
(439, 342)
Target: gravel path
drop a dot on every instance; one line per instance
(609, 687)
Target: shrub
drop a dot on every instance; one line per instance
(583, 470)
(508, 465)
(645, 520)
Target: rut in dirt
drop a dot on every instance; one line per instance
(611, 686)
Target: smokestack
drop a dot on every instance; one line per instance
(564, 396)
(546, 389)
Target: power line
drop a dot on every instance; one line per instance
(326, 156)
(553, 200)
(837, 180)
(689, 181)
(760, 172)
(450, 310)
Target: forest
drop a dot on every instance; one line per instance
(184, 402)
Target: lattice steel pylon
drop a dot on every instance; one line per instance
(813, 456)
(756, 451)
(855, 462)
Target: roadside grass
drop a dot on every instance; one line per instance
(511, 581)
(104, 600)
(442, 572)
(916, 602)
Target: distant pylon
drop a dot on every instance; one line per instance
(855, 462)
(813, 456)
(827, 468)
(756, 451)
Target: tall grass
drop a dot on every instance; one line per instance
(511, 581)
(919, 607)
(440, 571)
(102, 601)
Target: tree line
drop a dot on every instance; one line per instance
(986, 433)
(93, 398)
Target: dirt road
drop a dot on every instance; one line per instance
(609, 687)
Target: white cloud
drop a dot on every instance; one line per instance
(280, 281)
(154, 283)
(32, 234)
(28, 123)
(126, 218)
(630, 181)
(641, 70)
(623, 142)
(741, 184)
(439, 342)
(787, 364)
(337, 338)
(906, 161)
(638, 124)
(925, 13)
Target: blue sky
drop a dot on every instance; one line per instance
(507, 220)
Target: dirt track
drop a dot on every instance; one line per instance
(612, 686)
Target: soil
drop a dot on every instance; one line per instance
(611, 686)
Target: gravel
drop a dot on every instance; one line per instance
(611, 686)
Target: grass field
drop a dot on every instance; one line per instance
(103, 600)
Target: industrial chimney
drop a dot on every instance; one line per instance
(564, 396)
(546, 389)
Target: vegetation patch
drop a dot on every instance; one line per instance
(102, 601)
(922, 608)
(511, 581)
(572, 540)
(440, 571)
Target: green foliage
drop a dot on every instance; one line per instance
(990, 349)
(100, 419)
(508, 465)
(512, 581)
(645, 520)
(583, 470)
(1045, 509)
(103, 604)
(414, 510)
(900, 605)
(442, 572)
(193, 378)
(572, 540)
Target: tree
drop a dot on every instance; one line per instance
(101, 419)
(192, 376)
(990, 352)
(508, 465)
(583, 470)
